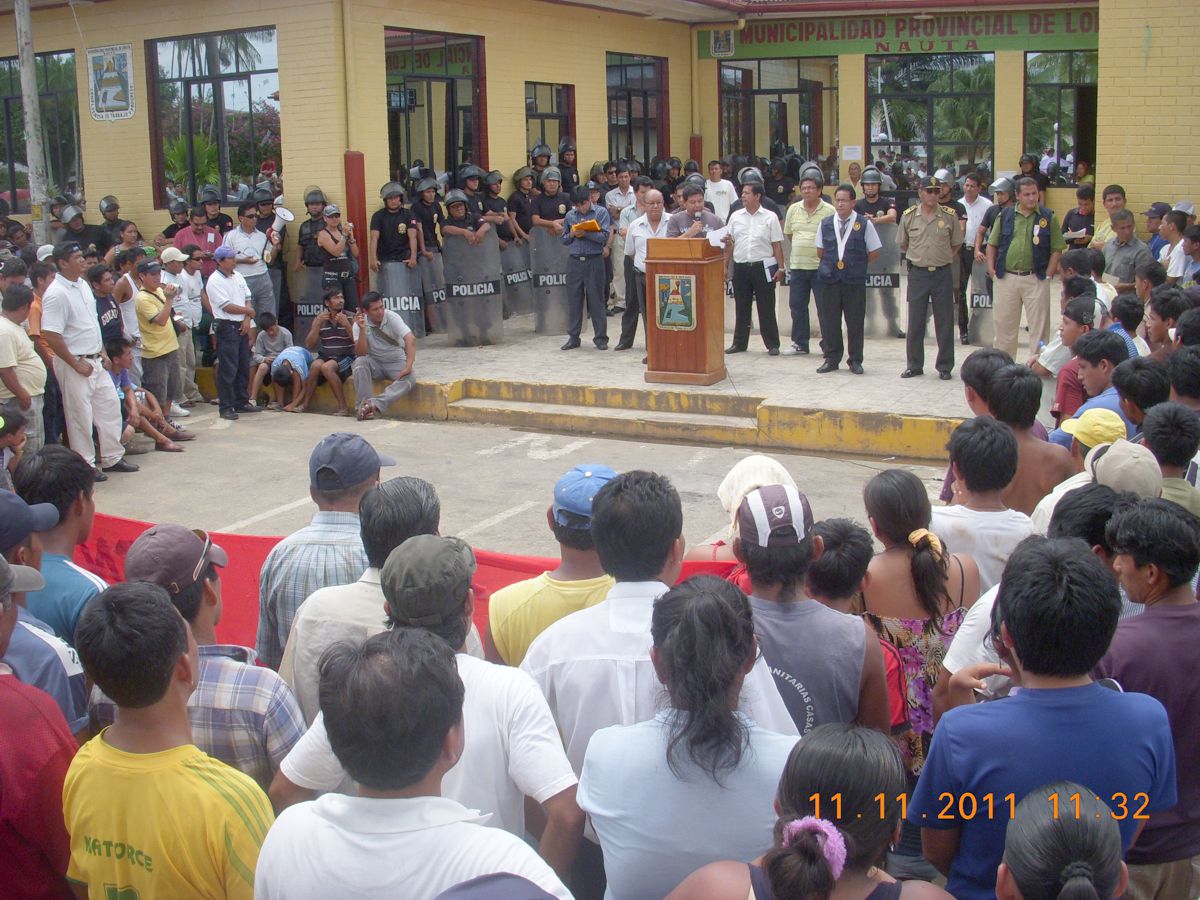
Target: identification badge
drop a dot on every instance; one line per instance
(858, 226)
(941, 223)
(562, 209)
(1037, 241)
(1042, 223)
(402, 228)
(842, 265)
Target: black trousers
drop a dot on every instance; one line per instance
(752, 287)
(635, 302)
(924, 287)
(233, 365)
(585, 287)
(837, 301)
(966, 264)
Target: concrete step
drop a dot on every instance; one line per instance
(649, 399)
(610, 421)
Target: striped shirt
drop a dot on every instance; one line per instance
(328, 551)
(242, 714)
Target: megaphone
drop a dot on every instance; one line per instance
(282, 217)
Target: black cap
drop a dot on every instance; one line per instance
(581, 193)
(148, 267)
(930, 181)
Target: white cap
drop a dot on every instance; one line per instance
(1186, 207)
(44, 252)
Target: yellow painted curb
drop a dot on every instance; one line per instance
(767, 425)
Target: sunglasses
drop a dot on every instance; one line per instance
(250, 216)
(195, 259)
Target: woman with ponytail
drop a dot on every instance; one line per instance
(916, 595)
(694, 784)
(839, 810)
(1065, 852)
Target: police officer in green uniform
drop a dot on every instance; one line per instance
(930, 235)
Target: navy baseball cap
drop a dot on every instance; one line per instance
(18, 519)
(574, 492)
(1157, 210)
(343, 460)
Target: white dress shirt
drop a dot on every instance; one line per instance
(871, 236)
(594, 669)
(69, 309)
(339, 846)
(512, 749)
(252, 244)
(754, 235)
(619, 199)
(640, 231)
(224, 290)
(975, 213)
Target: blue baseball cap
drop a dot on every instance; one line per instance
(19, 519)
(343, 460)
(224, 252)
(574, 492)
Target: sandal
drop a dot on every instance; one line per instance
(342, 412)
(275, 407)
(169, 447)
(183, 436)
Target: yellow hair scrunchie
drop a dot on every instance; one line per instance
(935, 544)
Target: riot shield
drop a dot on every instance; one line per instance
(400, 288)
(433, 291)
(310, 302)
(518, 279)
(548, 258)
(981, 329)
(474, 286)
(883, 286)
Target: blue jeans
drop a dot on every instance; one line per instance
(803, 285)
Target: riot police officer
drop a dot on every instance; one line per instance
(568, 164)
(210, 199)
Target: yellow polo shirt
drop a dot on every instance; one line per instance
(801, 226)
(520, 612)
(157, 340)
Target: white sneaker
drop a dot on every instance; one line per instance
(178, 411)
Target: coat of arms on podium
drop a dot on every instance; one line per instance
(675, 302)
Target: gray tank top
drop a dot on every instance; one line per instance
(816, 655)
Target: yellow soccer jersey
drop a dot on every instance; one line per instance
(172, 824)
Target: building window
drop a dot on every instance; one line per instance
(216, 113)
(435, 100)
(58, 93)
(637, 107)
(781, 107)
(930, 112)
(1060, 110)
(549, 109)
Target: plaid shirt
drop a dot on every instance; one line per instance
(326, 552)
(242, 714)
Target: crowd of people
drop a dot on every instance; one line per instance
(999, 702)
(990, 696)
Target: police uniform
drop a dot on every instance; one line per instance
(429, 216)
(930, 245)
(394, 229)
(552, 207)
(520, 205)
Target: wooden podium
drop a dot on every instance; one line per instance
(685, 311)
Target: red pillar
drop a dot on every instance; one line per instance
(356, 212)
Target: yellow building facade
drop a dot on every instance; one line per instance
(343, 75)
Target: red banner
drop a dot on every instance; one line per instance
(104, 554)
